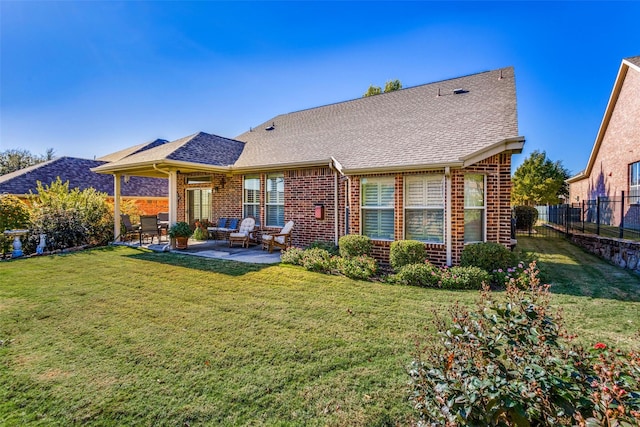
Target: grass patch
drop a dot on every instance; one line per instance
(120, 336)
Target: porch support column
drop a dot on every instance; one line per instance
(447, 236)
(116, 206)
(173, 197)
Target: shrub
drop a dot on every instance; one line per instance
(64, 227)
(488, 256)
(292, 256)
(526, 217)
(424, 274)
(180, 229)
(14, 214)
(405, 252)
(319, 260)
(353, 245)
(86, 212)
(508, 363)
(328, 246)
(463, 278)
(362, 267)
(200, 234)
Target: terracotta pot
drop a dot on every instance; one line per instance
(181, 242)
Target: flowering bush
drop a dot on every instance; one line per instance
(424, 274)
(520, 274)
(319, 260)
(292, 255)
(509, 363)
(362, 267)
(463, 278)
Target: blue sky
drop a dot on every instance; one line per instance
(90, 78)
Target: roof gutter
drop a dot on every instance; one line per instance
(409, 168)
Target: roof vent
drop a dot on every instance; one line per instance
(272, 127)
(459, 91)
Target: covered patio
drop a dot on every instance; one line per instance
(217, 249)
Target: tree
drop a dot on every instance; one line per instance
(14, 159)
(373, 90)
(390, 86)
(539, 181)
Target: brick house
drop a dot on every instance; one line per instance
(148, 194)
(430, 163)
(614, 163)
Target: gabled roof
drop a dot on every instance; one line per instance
(132, 150)
(632, 63)
(424, 126)
(200, 151)
(78, 173)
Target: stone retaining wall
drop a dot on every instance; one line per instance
(624, 253)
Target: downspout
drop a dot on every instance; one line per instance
(335, 201)
(448, 237)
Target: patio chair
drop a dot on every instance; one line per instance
(149, 227)
(163, 223)
(213, 231)
(244, 232)
(129, 229)
(281, 240)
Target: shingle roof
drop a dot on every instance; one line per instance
(132, 150)
(78, 173)
(635, 60)
(412, 126)
(200, 148)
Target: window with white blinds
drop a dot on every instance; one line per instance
(424, 208)
(376, 207)
(251, 197)
(274, 206)
(474, 208)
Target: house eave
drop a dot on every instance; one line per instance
(155, 168)
(511, 145)
(401, 168)
(280, 166)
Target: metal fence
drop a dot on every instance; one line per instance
(605, 216)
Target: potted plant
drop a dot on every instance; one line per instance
(181, 231)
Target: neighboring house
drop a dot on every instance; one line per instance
(431, 163)
(614, 164)
(149, 194)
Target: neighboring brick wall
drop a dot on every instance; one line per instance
(150, 206)
(619, 148)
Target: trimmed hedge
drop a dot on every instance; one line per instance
(353, 245)
(405, 252)
(489, 256)
(526, 217)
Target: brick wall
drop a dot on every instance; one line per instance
(619, 148)
(306, 188)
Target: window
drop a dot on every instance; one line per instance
(474, 200)
(377, 201)
(634, 183)
(199, 179)
(275, 200)
(251, 197)
(199, 204)
(424, 208)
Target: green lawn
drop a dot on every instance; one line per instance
(119, 336)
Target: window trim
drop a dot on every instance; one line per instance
(483, 207)
(406, 207)
(634, 189)
(266, 199)
(389, 180)
(244, 201)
